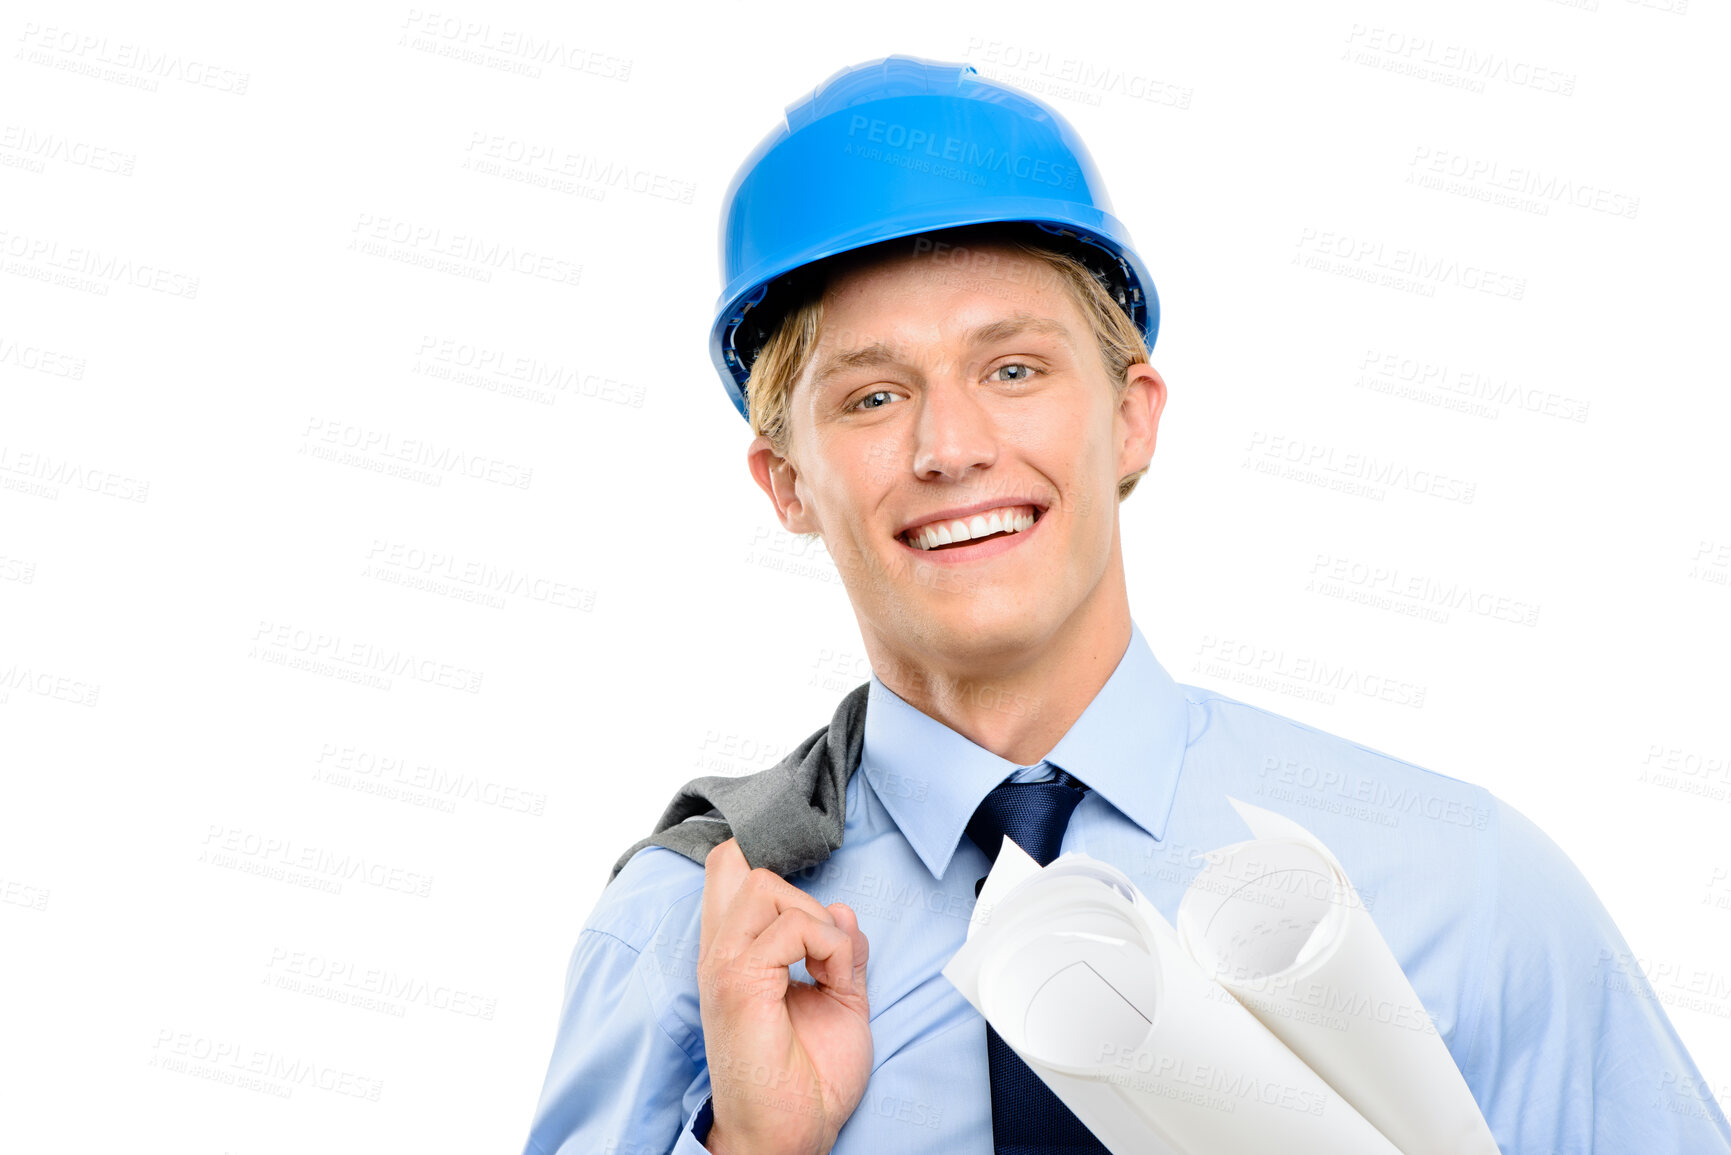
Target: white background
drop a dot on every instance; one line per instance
(174, 549)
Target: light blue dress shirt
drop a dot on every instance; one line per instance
(1544, 1007)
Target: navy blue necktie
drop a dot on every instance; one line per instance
(1027, 1118)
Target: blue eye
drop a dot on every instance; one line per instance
(1027, 371)
(873, 393)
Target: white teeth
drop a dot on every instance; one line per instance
(980, 525)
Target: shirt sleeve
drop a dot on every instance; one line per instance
(617, 1083)
(1571, 1051)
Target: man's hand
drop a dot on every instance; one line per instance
(788, 1062)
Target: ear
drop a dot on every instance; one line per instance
(1139, 417)
(778, 478)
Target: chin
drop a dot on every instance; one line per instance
(983, 625)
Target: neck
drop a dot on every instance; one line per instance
(1017, 701)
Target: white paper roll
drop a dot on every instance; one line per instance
(1276, 921)
(1088, 984)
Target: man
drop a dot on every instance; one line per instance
(939, 331)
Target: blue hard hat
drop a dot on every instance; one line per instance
(897, 147)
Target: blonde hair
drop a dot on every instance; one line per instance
(783, 357)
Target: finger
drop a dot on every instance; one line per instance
(835, 970)
(759, 901)
(848, 922)
(795, 936)
(724, 870)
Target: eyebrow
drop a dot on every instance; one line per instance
(878, 353)
(873, 355)
(1016, 326)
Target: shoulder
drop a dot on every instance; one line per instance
(629, 1048)
(1213, 713)
(646, 929)
(1550, 940)
(1334, 778)
(1460, 836)
(657, 889)
(1570, 1046)
(1421, 847)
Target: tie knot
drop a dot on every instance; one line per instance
(1033, 813)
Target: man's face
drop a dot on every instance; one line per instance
(943, 383)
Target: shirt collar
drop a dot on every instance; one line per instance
(1128, 746)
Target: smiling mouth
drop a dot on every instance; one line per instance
(971, 530)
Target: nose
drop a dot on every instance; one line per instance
(955, 432)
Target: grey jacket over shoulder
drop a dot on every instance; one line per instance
(786, 818)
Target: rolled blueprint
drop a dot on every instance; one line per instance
(1088, 984)
(1276, 922)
